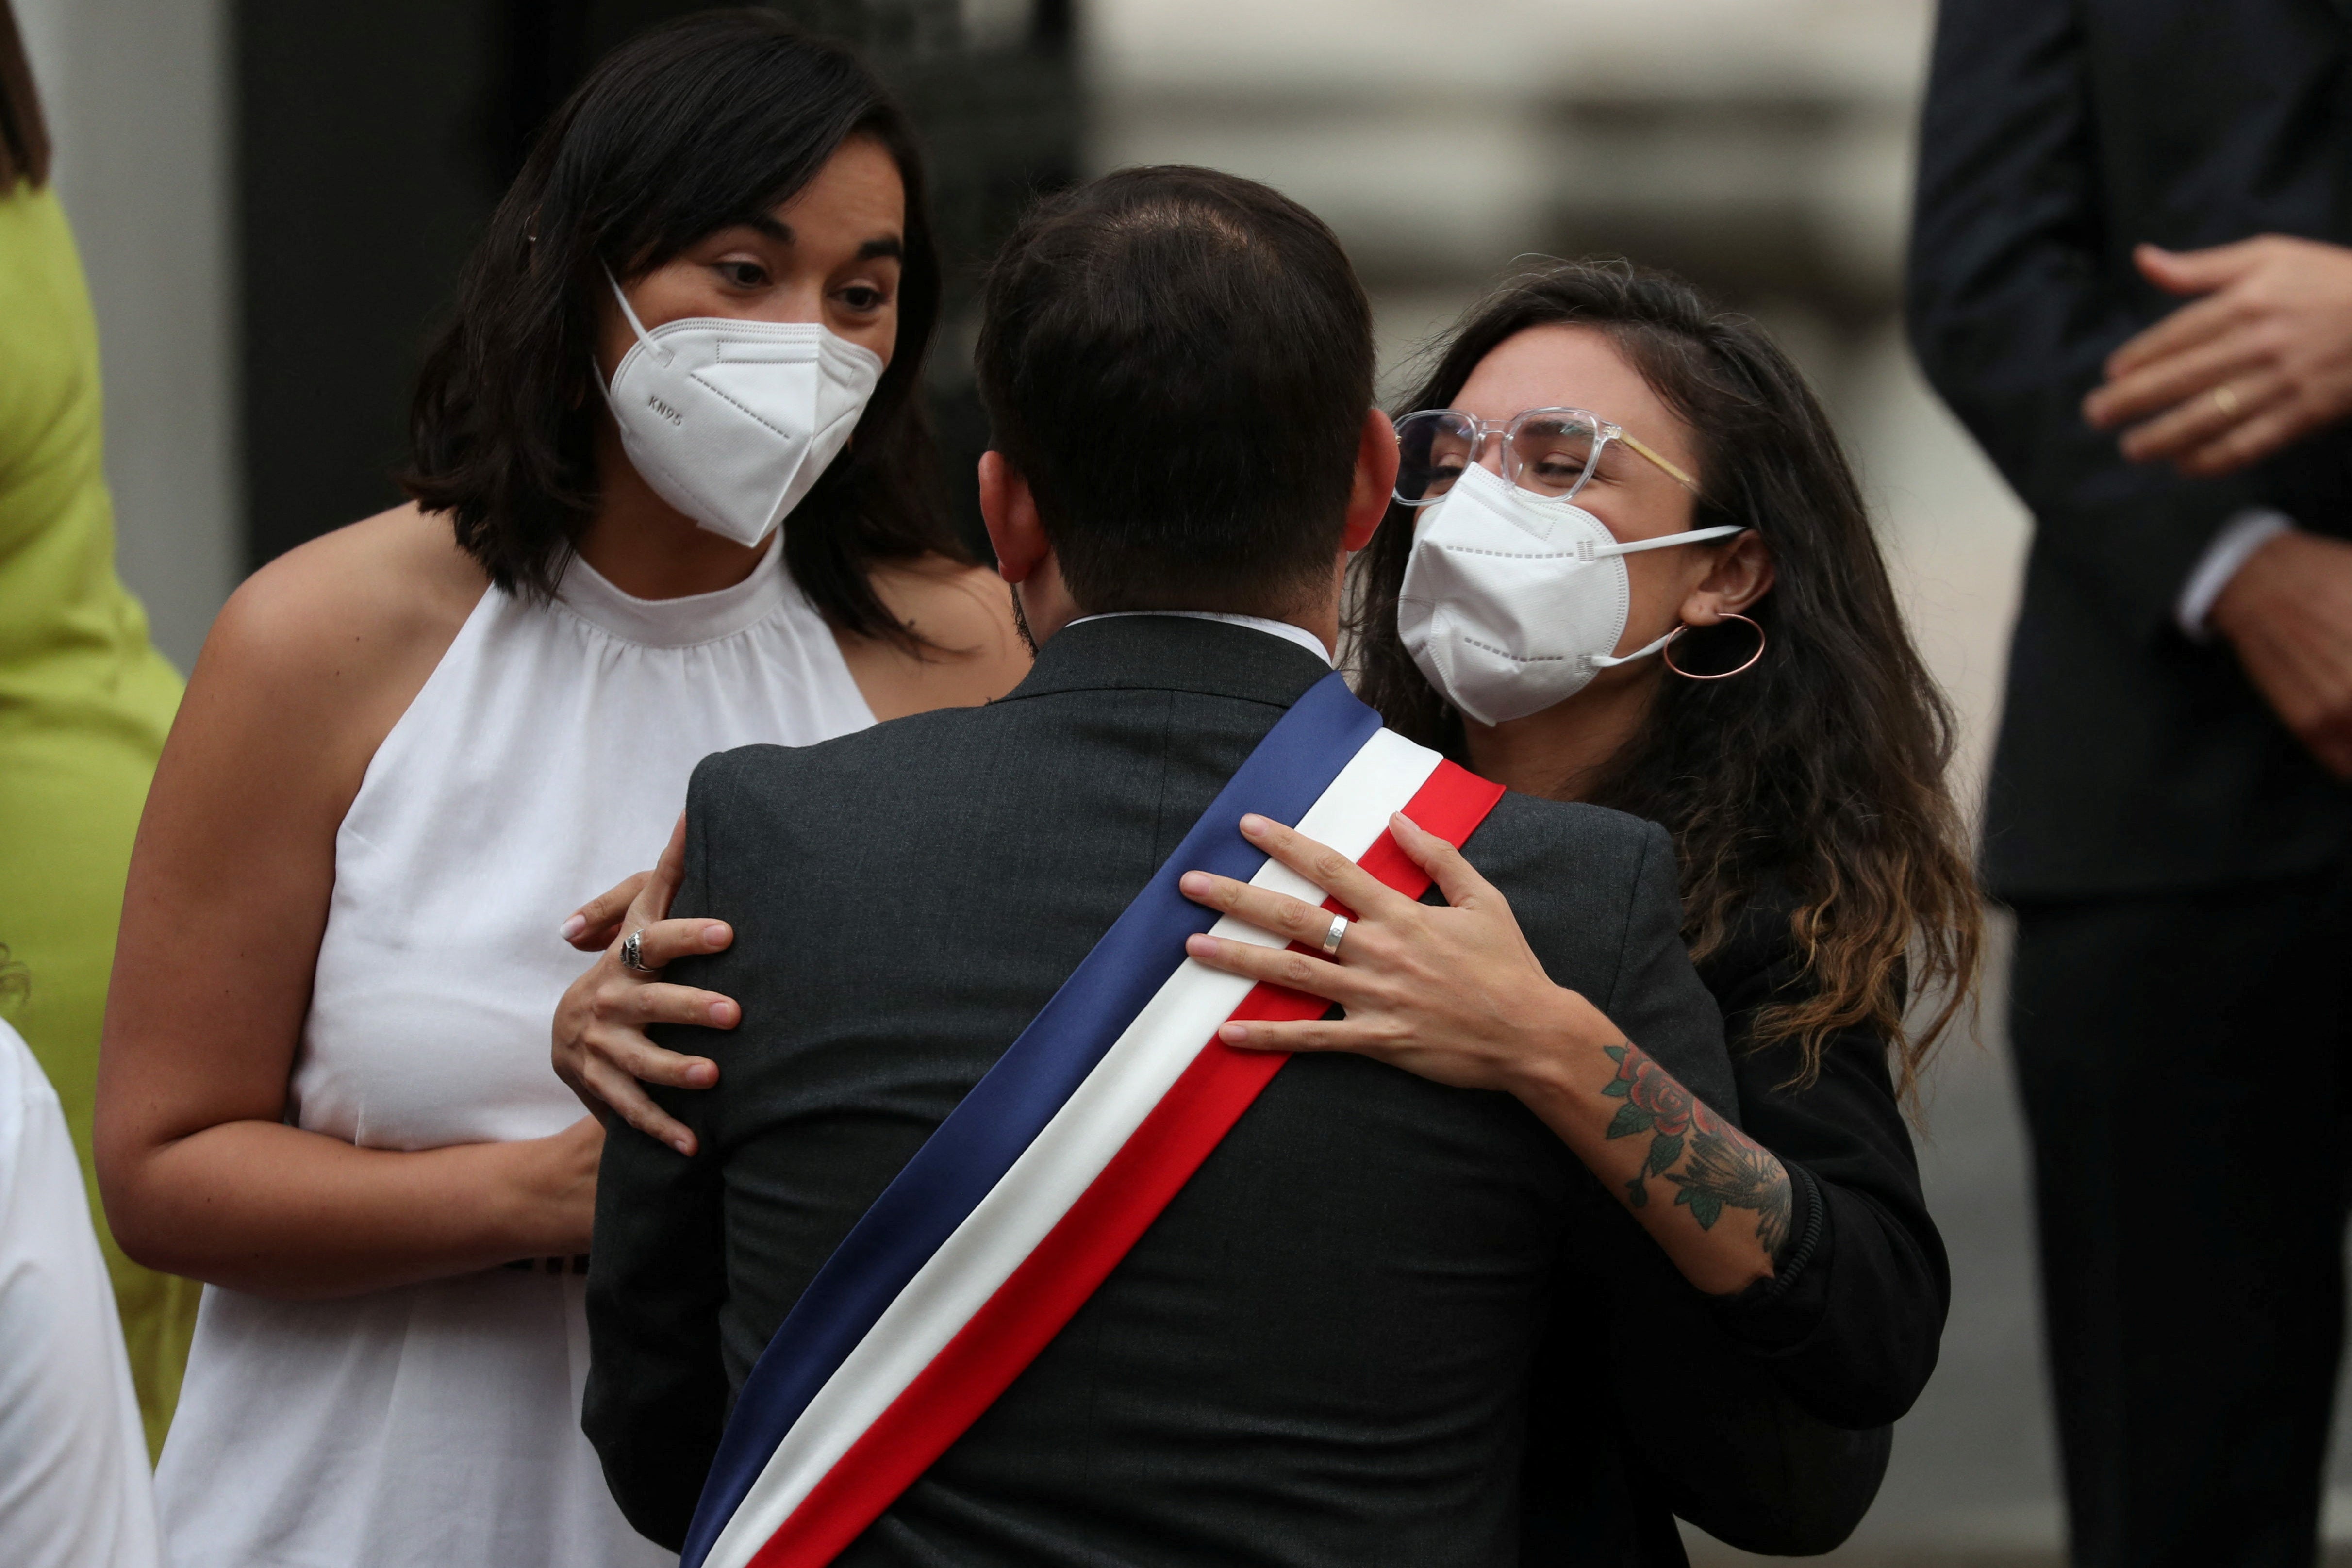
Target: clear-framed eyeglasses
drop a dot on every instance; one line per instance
(1546, 451)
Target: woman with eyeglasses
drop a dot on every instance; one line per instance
(1628, 564)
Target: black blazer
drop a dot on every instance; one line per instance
(1801, 1377)
(2057, 135)
(1852, 1326)
(1319, 1354)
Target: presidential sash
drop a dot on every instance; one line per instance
(1036, 1185)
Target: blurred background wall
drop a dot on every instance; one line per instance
(273, 196)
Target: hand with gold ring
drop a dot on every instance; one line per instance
(2263, 359)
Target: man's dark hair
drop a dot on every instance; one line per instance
(1179, 362)
(690, 128)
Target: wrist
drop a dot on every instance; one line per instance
(521, 1192)
(2249, 596)
(1572, 1038)
(2239, 539)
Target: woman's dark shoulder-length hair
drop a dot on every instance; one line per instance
(705, 122)
(1818, 776)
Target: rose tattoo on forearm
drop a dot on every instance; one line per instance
(1723, 1167)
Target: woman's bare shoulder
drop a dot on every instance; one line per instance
(964, 613)
(379, 588)
(334, 637)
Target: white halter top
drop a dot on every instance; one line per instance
(545, 758)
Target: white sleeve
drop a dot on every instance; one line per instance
(75, 1488)
(2240, 538)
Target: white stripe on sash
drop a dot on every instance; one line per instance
(1091, 1127)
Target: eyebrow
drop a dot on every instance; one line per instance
(885, 248)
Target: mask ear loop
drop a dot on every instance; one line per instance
(1611, 661)
(1662, 541)
(1667, 653)
(636, 326)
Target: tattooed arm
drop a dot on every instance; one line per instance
(1453, 993)
(1651, 1130)
(1713, 1165)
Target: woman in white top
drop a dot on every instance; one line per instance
(412, 747)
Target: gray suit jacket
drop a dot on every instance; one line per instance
(1320, 1352)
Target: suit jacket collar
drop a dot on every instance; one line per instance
(1171, 653)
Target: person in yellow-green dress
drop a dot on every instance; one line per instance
(85, 699)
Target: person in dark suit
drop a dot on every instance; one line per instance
(1320, 1351)
(2168, 814)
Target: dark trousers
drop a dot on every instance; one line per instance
(2182, 1059)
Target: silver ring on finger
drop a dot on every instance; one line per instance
(633, 952)
(1333, 937)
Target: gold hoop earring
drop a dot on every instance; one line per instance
(1667, 653)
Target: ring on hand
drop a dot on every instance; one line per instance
(1333, 937)
(633, 952)
(2225, 398)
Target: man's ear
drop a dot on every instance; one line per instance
(1741, 574)
(1376, 472)
(1010, 512)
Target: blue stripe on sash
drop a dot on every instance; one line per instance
(970, 1150)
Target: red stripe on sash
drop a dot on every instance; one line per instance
(1055, 1281)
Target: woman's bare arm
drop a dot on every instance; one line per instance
(1455, 994)
(305, 671)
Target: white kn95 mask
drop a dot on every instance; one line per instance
(1513, 602)
(733, 422)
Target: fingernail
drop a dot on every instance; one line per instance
(1234, 1034)
(574, 926)
(1200, 944)
(682, 1146)
(701, 1075)
(1195, 882)
(714, 934)
(1253, 824)
(1408, 822)
(722, 1013)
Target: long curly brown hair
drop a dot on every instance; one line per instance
(1822, 769)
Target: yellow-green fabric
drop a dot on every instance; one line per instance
(85, 700)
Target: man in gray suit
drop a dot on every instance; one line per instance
(1320, 1352)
